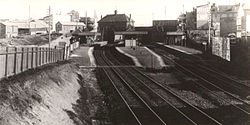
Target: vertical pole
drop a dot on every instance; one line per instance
(6, 62)
(53, 54)
(22, 60)
(15, 60)
(40, 56)
(60, 55)
(37, 57)
(32, 57)
(27, 61)
(51, 57)
(55, 57)
(49, 25)
(46, 56)
(64, 52)
(67, 52)
(209, 24)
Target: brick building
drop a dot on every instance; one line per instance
(161, 27)
(112, 23)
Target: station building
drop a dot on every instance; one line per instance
(114, 23)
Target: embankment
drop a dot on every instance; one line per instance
(55, 94)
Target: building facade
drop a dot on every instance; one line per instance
(68, 27)
(114, 22)
(89, 22)
(49, 21)
(165, 25)
(203, 16)
(8, 30)
(74, 16)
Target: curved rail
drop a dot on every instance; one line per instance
(172, 93)
(210, 83)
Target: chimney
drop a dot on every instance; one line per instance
(101, 16)
(115, 12)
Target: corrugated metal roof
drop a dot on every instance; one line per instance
(26, 24)
(9, 23)
(115, 18)
(131, 33)
(89, 34)
(72, 23)
(175, 33)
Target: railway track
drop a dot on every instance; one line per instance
(207, 84)
(152, 117)
(139, 83)
(213, 75)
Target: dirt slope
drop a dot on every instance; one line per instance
(51, 95)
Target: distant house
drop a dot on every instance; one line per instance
(114, 22)
(8, 30)
(67, 27)
(224, 19)
(165, 25)
(230, 19)
(31, 27)
(161, 27)
(74, 16)
(49, 20)
(202, 16)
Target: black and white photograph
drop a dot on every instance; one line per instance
(124, 62)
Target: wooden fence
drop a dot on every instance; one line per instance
(14, 60)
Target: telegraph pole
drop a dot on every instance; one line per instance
(49, 25)
(209, 24)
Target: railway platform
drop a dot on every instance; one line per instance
(183, 49)
(145, 57)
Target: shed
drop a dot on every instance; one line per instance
(67, 27)
(8, 30)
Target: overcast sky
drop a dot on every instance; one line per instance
(142, 11)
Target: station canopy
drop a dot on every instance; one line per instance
(131, 33)
(175, 33)
(89, 34)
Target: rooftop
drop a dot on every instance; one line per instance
(27, 24)
(72, 23)
(115, 18)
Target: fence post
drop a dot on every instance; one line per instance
(6, 62)
(36, 56)
(64, 52)
(67, 49)
(22, 60)
(60, 55)
(55, 57)
(27, 63)
(32, 54)
(50, 54)
(46, 50)
(15, 60)
(40, 54)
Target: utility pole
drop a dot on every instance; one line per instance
(29, 20)
(209, 24)
(86, 19)
(49, 25)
